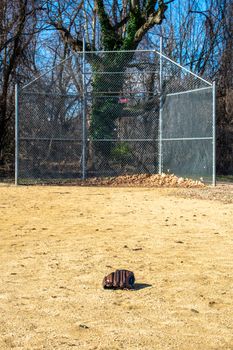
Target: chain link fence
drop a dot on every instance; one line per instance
(112, 113)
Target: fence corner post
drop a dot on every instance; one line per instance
(214, 135)
(160, 105)
(16, 133)
(84, 114)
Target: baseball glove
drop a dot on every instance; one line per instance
(120, 279)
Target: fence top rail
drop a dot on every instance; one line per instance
(117, 51)
(114, 51)
(155, 51)
(49, 70)
(123, 73)
(185, 69)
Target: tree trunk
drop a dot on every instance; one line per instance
(106, 109)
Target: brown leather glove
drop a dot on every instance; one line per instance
(120, 279)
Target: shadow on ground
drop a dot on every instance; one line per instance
(138, 286)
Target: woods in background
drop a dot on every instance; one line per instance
(35, 35)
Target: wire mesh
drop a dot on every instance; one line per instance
(187, 124)
(110, 113)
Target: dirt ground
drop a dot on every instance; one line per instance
(57, 243)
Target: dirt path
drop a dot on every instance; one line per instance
(57, 243)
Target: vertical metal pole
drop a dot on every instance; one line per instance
(160, 106)
(16, 133)
(214, 134)
(84, 115)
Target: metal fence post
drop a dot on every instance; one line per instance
(160, 106)
(84, 115)
(16, 133)
(214, 134)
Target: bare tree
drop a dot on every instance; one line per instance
(18, 24)
(225, 94)
(199, 36)
(108, 26)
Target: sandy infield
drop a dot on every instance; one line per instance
(57, 243)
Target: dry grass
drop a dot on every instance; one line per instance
(57, 243)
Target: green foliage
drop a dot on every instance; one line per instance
(121, 151)
(104, 113)
(109, 37)
(134, 23)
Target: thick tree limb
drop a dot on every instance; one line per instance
(121, 23)
(153, 19)
(150, 6)
(110, 37)
(75, 44)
